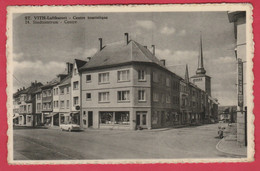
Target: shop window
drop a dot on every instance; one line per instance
(122, 118)
(62, 119)
(106, 117)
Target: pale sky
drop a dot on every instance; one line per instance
(41, 50)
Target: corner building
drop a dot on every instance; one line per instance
(124, 86)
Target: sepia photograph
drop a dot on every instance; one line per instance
(159, 83)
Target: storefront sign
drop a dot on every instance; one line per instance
(240, 83)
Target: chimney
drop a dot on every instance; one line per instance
(35, 81)
(145, 47)
(18, 90)
(88, 58)
(100, 44)
(153, 47)
(162, 62)
(126, 38)
(69, 67)
(23, 88)
(32, 83)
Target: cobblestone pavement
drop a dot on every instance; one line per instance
(54, 144)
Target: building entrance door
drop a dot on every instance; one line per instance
(141, 119)
(56, 120)
(24, 121)
(90, 119)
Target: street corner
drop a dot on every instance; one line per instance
(229, 145)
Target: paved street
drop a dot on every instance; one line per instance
(51, 144)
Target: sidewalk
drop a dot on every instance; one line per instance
(229, 145)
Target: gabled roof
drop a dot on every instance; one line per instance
(50, 84)
(120, 53)
(179, 70)
(65, 81)
(80, 63)
(29, 90)
(35, 88)
(24, 91)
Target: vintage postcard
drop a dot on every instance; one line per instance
(130, 84)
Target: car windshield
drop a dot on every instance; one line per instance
(69, 119)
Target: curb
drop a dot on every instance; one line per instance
(217, 147)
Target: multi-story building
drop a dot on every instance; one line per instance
(65, 103)
(38, 110)
(25, 104)
(33, 116)
(239, 20)
(75, 98)
(227, 114)
(125, 86)
(16, 106)
(47, 102)
(49, 95)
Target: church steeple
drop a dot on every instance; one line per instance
(200, 69)
(187, 78)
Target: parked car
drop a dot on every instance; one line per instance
(70, 127)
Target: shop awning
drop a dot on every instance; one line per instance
(15, 117)
(50, 115)
(74, 113)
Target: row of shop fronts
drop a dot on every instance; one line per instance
(138, 118)
(47, 119)
(112, 119)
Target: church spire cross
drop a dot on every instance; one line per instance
(200, 69)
